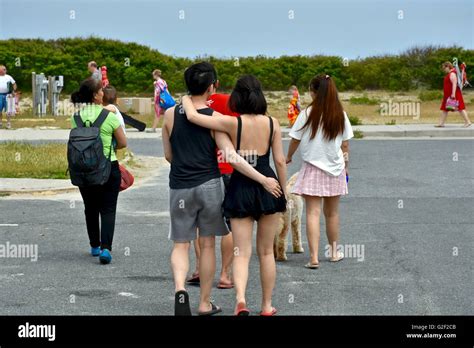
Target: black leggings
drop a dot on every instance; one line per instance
(102, 199)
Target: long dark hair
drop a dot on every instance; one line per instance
(88, 88)
(326, 109)
(247, 97)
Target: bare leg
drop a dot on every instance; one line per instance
(442, 119)
(313, 212)
(242, 234)
(331, 214)
(180, 264)
(156, 120)
(197, 252)
(266, 230)
(227, 254)
(467, 121)
(207, 264)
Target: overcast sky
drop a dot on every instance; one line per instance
(228, 28)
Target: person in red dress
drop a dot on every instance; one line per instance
(452, 90)
(220, 102)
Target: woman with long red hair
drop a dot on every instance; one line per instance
(322, 131)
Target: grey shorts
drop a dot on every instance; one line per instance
(197, 207)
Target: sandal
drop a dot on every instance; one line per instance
(339, 257)
(310, 265)
(269, 314)
(467, 125)
(181, 304)
(440, 126)
(194, 279)
(242, 310)
(222, 285)
(214, 310)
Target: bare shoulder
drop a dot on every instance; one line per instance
(276, 123)
(168, 117)
(169, 113)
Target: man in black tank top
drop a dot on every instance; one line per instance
(194, 152)
(196, 188)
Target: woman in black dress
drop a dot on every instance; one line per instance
(253, 135)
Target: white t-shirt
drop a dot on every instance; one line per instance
(3, 83)
(120, 117)
(326, 155)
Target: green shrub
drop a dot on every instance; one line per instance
(130, 66)
(430, 95)
(364, 100)
(355, 121)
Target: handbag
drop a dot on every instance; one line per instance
(452, 104)
(127, 178)
(166, 100)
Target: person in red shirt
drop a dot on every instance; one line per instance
(219, 102)
(452, 91)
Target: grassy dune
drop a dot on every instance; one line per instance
(363, 105)
(46, 161)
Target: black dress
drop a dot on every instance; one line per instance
(246, 197)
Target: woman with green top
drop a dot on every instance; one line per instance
(100, 199)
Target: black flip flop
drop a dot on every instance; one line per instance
(181, 304)
(194, 279)
(214, 310)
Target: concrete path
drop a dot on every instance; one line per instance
(369, 131)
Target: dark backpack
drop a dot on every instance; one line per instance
(88, 166)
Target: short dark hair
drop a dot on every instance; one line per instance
(199, 77)
(86, 91)
(110, 95)
(247, 97)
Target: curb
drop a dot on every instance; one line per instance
(160, 162)
(399, 132)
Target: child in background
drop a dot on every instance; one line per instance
(109, 100)
(160, 85)
(294, 108)
(323, 130)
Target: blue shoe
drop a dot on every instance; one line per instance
(95, 251)
(105, 257)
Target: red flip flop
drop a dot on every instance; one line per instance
(242, 310)
(222, 285)
(269, 314)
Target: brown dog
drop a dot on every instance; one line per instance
(294, 210)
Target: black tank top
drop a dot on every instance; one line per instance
(194, 152)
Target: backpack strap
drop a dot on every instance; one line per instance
(102, 116)
(78, 120)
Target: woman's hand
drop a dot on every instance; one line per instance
(273, 186)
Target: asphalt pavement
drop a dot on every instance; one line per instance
(407, 225)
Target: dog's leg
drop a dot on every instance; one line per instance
(282, 243)
(296, 228)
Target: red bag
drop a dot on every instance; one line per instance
(127, 178)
